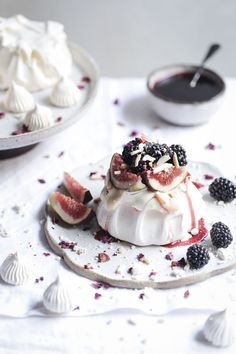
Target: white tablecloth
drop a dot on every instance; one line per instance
(120, 110)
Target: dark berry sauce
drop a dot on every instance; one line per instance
(177, 88)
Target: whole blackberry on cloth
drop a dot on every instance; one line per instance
(180, 152)
(197, 256)
(129, 148)
(222, 189)
(221, 235)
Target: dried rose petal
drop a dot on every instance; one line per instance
(86, 79)
(41, 180)
(104, 237)
(198, 185)
(46, 254)
(103, 257)
(81, 87)
(61, 154)
(2, 115)
(133, 133)
(180, 263)
(208, 177)
(141, 296)
(67, 245)
(58, 120)
(186, 294)
(152, 274)
(116, 101)
(210, 146)
(140, 257)
(97, 296)
(169, 256)
(88, 266)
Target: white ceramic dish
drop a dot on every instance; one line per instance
(84, 66)
(181, 113)
(87, 247)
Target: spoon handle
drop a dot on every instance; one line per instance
(213, 48)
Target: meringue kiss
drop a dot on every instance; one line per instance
(65, 93)
(218, 329)
(18, 99)
(15, 269)
(58, 297)
(40, 117)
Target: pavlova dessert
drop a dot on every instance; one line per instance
(148, 197)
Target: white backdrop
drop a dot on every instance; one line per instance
(131, 37)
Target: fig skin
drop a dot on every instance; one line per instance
(121, 178)
(76, 190)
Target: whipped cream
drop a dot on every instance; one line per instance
(33, 54)
(151, 218)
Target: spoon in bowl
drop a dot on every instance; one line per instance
(211, 50)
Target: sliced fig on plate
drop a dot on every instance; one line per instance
(165, 180)
(76, 190)
(69, 210)
(120, 176)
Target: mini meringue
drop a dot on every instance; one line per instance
(18, 99)
(58, 298)
(15, 269)
(65, 93)
(40, 117)
(218, 329)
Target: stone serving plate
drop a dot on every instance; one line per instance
(158, 273)
(84, 66)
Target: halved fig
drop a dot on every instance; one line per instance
(78, 192)
(120, 176)
(166, 180)
(69, 210)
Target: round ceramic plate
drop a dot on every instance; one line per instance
(83, 67)
(134, 266)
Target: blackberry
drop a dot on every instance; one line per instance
(156, 150)
(222, 189)
(128, 148)
(180, 152)
(221, 235)
(142, 166)
(197, 256)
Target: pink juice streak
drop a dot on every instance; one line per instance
(201, 226)
(197, 238)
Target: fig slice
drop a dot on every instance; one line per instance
(121, 178)
(76, 190)
(69, 210)
(166, 180)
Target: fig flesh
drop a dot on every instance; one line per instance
(69, 210)
(166, 180)
(121, 178)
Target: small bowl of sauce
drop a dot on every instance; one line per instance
(174, 100)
